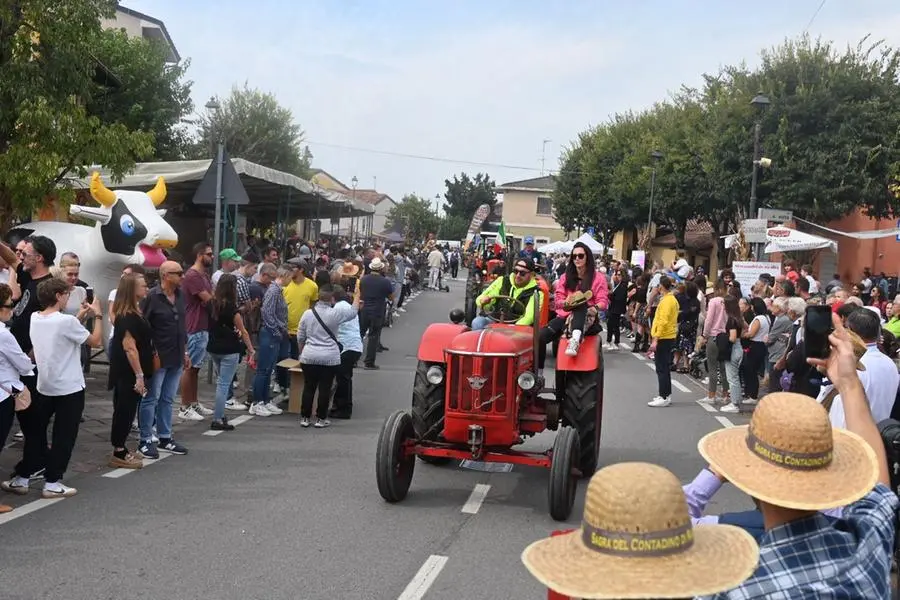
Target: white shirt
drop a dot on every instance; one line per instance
(880, 380)
(763, 330)
(57, 340)
(813, 284)
(111, 299)
(4, 275)
(216, 275)
(77, 295)
(435, 259)
(13, 363)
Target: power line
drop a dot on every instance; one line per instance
(423, 157)
(815, 14)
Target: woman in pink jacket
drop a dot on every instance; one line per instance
(580, 276)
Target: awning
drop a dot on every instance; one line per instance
(784, 239)
(266, 189)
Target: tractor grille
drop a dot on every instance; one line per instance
(494, 395)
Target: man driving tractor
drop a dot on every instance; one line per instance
(519, 285)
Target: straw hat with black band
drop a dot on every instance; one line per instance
(637, 541)
(790, 456)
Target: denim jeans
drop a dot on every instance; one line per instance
(156, 406)
(271, 349)
(733, 372)
(226, 365)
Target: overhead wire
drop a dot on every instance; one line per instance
(815, 14)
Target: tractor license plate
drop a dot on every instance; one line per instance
(486, 467)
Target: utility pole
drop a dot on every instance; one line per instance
(544, 155)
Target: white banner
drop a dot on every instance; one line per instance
(748, 272)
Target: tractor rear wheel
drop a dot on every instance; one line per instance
(393, 469)
(581, 410)
(563, 484)
(428, 409)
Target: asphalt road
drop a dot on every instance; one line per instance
(272, 511)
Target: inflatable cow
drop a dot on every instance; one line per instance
(129, 229)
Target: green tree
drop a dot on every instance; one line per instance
(49, 69)
(465, 194)
(453, 227)
(256, 127)
(414, 217)
(153, 95)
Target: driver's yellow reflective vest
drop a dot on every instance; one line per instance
(527, 295)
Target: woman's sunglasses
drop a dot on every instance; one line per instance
(580, 255)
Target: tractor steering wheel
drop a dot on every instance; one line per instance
(508, 308)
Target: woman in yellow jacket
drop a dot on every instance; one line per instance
(663, 332)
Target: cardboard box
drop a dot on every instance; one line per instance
(297, 382)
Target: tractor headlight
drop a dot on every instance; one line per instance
(526, 380)
(434, 375)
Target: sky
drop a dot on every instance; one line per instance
(483, 81)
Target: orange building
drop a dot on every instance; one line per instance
(879, 254)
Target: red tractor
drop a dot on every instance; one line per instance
(477, 395)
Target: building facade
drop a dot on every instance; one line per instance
(139, 25)
(528, 209)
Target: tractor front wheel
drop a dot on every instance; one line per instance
(563, 483)
(581, 409)
(393, 468)
(428, 409)
(473, 290)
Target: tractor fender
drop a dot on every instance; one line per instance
(436, 337)
(587, 359)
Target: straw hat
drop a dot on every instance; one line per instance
(349, 269)
(637, 541)
(376, 264)
(790, 456)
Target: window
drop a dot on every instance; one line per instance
(545, 206)
(540, 241)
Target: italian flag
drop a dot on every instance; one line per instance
(501, 238)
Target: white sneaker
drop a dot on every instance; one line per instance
(260, 410)
(705, 381)
(749, 401)
(304, 422)
(322, 423)
(659, 402)
(189, 414)
(572, 348)
(154, 438)
(402, 310)
(202, 410)
(273, 409)
(57, 490)
(233, 404)
(730, 408)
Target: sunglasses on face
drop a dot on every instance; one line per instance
(579, 256)
(179, 273)
(521, 272)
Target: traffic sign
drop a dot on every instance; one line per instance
(777, 215)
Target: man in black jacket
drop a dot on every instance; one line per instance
(618, 299)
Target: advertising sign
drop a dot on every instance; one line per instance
(748, 272)
(755, 230)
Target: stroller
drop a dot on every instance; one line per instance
(697, 366)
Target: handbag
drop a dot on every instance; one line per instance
(22, 397)
(328, 331)
(723, 344)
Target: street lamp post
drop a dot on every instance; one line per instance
(657, 156)
(355, 182)
(213, 106)
(759, 102)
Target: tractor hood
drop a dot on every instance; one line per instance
(496, 339)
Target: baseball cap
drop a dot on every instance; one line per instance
(529, 239)
(229, 254)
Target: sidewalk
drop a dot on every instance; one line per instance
(93, 448)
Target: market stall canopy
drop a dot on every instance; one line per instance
(255, 188)
(556, 248)
(784, 239)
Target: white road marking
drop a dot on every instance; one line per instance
(27, 509)
(116, 473)
(725, 422)
(624, 346)
(707, 406)
(235, 421)
(651, 365)
(475, 499)
(423, 580)
(680, 386)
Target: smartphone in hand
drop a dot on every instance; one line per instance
(817, 326)
(90, 295)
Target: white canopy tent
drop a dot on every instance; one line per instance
(784, 239)
(565, 247)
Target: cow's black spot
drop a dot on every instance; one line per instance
(115, 238)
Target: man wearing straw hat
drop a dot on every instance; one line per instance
(637, 541)
(795, 465)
